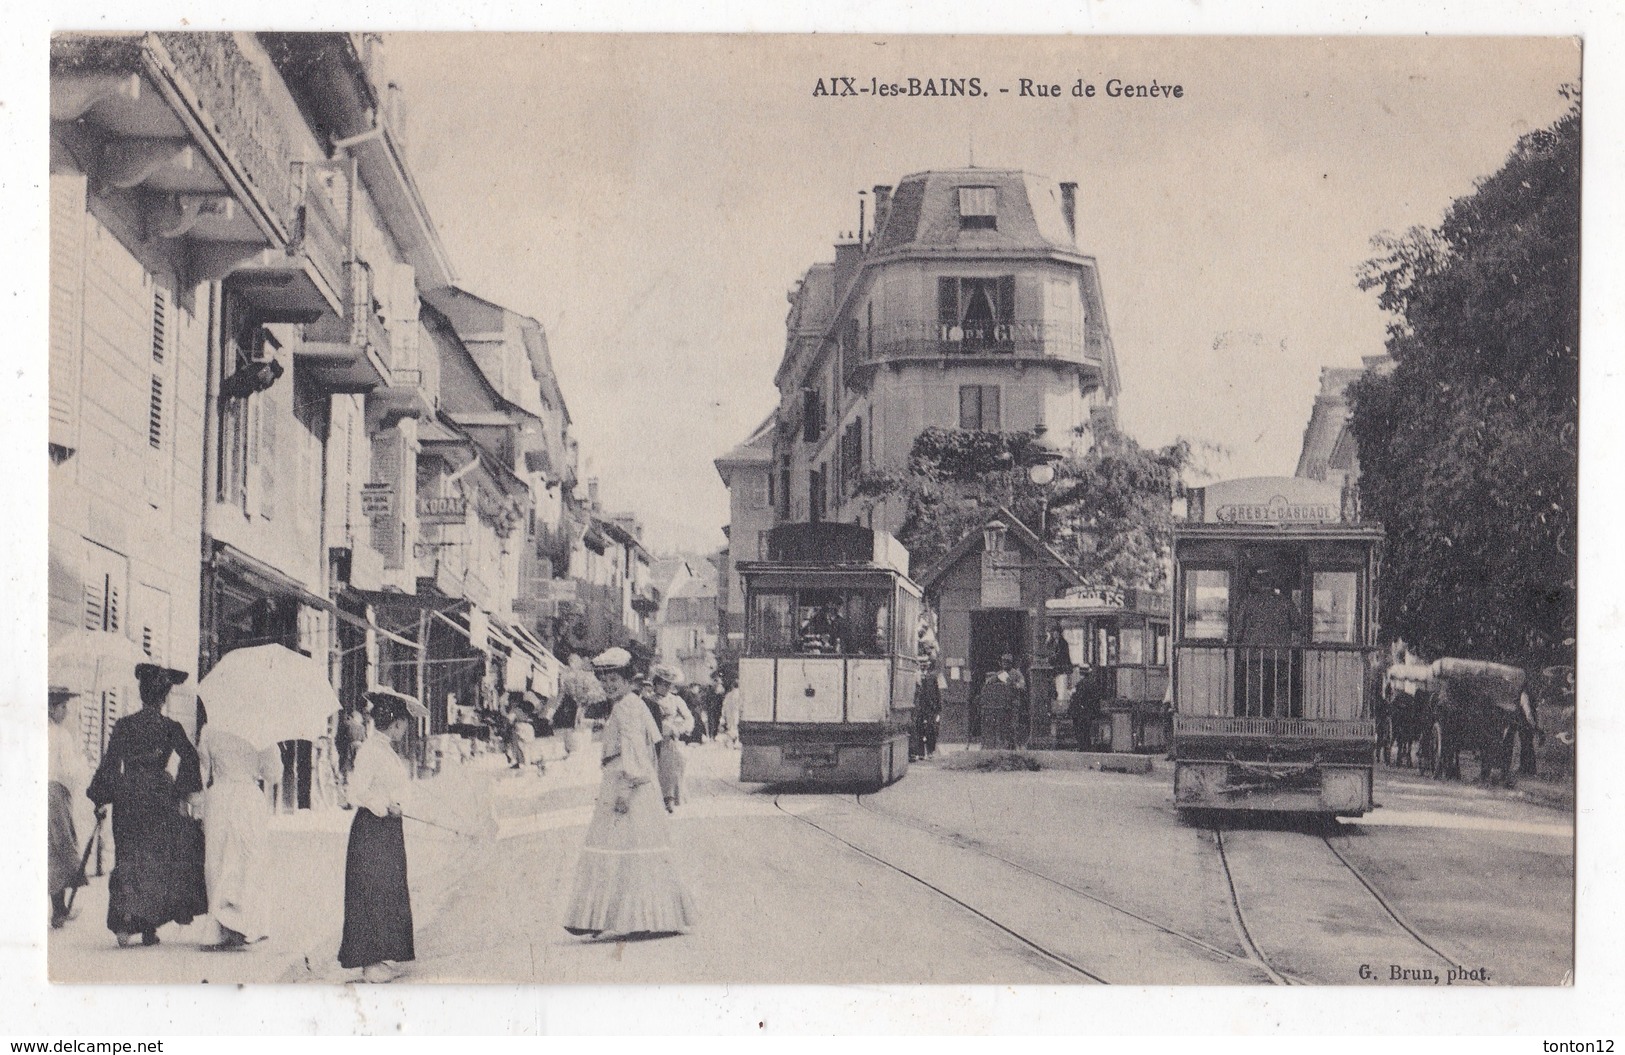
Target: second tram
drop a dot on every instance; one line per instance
(830, 663)
(1275, 628)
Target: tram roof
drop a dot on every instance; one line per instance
(1256, 532)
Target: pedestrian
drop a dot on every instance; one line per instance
(68, 774)
(158, 871)
(676, 722)
(627, 882)
(236, 819)
(728, 722)
(377, 902)
(700, 705)
(1002, 692)
(352, 729)
(1084, 707)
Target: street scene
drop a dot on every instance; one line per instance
(1113, 523)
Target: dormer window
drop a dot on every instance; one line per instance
(978, 208)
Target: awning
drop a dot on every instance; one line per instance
(264, 577)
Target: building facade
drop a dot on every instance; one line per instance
(970, 307)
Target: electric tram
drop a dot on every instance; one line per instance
(830, 660)
(1275, 627)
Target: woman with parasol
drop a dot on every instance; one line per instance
(626, 882)
(377, 903)
(236, 823)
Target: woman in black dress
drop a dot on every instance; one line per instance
(158, 847)
(377, 904)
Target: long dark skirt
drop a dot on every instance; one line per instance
(377, 905)
(63, 845)
(158, 858)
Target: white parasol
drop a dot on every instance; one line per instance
(94, 661)
(267, 694)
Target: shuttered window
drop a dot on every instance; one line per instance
(389, 526)
(979, 408)
(67, 267)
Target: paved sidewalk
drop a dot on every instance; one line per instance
(461, 814)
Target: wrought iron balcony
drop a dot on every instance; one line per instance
(349, 353)
(308, 280)
(181, 128)
(1015, 339)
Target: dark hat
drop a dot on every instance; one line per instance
(61, 692)
(158, 674)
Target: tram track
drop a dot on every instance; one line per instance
(1050, 954)
(1255, 959)
(1246, 930)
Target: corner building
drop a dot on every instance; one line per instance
(970, 307)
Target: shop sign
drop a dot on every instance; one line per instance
(377, 500)
(449, 510)
(1272, 500)
(1276, 511)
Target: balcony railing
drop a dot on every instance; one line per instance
(320, 232)
(231, 93)
(1013, 339)
(351, 354)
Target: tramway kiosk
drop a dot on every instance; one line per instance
(1275, 626)
(830, 663)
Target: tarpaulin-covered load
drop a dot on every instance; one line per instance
(1469, 683)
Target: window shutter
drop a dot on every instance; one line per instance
(388, 535)
(267, 455)
(990, 408)
(948, 301)
(970, 406)
(68, 197)
(1007, 298)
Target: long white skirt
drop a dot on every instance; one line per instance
(235, 821)
(627, 881)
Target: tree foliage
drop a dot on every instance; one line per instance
(1106, 512)
(1469, 449)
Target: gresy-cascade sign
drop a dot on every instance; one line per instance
(1269, 500)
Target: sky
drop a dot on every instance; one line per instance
(652, 199)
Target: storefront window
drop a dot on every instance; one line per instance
(1207, 604)
(1335, 602)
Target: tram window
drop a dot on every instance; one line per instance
(1131, 646)
(1207, 604)
(1077, 644)
(842, 622)
(1335, 601)
(771, 628)
(1159, 651)
(1105, 647)
(908, 624)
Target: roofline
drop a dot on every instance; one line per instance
(939, 567)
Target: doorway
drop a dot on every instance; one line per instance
(993, 632)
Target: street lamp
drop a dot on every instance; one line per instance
(1041, 455)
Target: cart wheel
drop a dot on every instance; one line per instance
(1513, 755)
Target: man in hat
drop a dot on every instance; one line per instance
(68, 772)
(158, 871)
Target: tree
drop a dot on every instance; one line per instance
(1106, 512)
(1469, 447)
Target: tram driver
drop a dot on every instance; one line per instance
(1268, 624)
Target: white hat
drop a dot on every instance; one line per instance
(612, 659)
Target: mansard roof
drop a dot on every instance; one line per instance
(924, 213)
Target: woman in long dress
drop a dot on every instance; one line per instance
(236, 820)
(676, 721)
(377, 903)
(68, 776)
(158, 849)
(627, 882)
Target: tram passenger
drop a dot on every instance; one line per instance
(820, 633)
(1269, 623)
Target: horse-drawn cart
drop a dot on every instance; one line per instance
(1479, 707)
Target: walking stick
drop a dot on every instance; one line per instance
(84, 858)
(442, 827)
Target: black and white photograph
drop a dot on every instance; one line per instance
(604, 509)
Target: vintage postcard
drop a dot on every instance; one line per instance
(812, 510)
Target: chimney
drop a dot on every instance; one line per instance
(1069, 208)
(592, 494)
(882, 207)
(848, 255)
